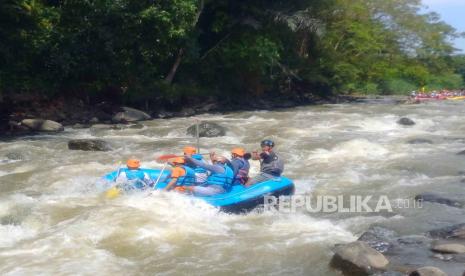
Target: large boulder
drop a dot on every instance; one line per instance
(207, 129)
(406, 121)
(88, 145)
(449, 248)
(379, 238)
(130, 115)
(358, 258)
(428, 271)
(42, 125)
(434, 198)
(450, 232)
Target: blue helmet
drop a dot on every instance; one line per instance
(268, 143)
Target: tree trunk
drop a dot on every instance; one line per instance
(174, 68)
(169, 78)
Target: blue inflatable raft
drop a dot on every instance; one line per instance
(239, 199)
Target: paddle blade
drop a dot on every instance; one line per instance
(166, 157)
(112, 193)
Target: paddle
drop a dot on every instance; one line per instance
(114, 191)
(167, 157)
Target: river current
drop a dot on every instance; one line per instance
(55, 221)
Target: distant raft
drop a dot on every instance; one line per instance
(238, 199)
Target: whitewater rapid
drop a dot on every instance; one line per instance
(55, 221)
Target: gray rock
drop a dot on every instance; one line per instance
(135, 126)
(207, 107)
(105, 127)
(428, 271)
(130, 115)
(419, 141)
(165, 114)
(94, 120)
(451, 232)
(42, 125)
(187, 112)
(207, 129)
(461, 153)
(88, 145)
(14, 156)
(406, 121)
(434, 198)
(358, 258)
(79, 126)
(378, 238)
(449, 248)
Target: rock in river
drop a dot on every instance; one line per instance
(130, 115)
(429, 197)
(428, 271)
(207, 129)
(405, 121)
(358, 258)
(88, 145)
(42, 125)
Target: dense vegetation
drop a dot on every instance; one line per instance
(154, 49)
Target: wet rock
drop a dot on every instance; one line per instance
(209, 107)
(165, 114)
(461, 153)
(207, 129)
(88, 145)
(186, 112)
(419, 141)
(443, 257)
(450, 232)
(378, 238)
(130, 115)
(16, 156)
(449, 248)
(428, 271)
(79, 126)
(358, 258)
(434, 198)
(94, 120)
(406, 121)
(135, 126)
(42, 125)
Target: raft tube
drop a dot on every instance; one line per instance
(239, 199)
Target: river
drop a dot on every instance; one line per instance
(55, 221)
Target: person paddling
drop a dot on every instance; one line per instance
(180, 174)
(240, 165)
(134, 175)
(219, 181)
(271, 165)
(200, 173)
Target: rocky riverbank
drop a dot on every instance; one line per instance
(34, 114)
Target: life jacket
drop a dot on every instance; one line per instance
(135, 177)
(242, 174)
(188, 179)
(224, 179)
(201, 174)
(275, 167)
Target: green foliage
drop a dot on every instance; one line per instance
(224, 48)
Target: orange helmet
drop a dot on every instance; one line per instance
(133, 163)
(189, 150)
(238, 151)
(178, 160)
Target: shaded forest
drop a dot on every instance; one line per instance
(167, 50)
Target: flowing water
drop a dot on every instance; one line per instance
(55, 221)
